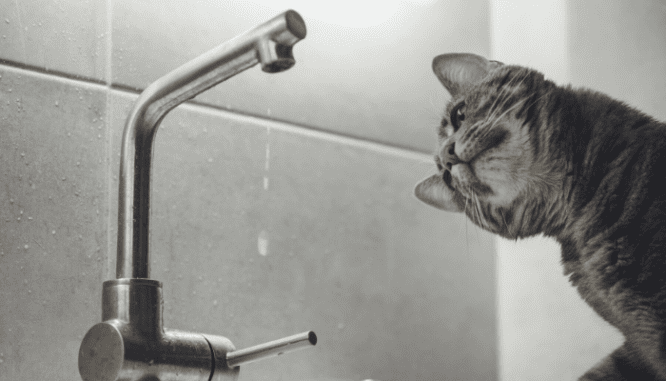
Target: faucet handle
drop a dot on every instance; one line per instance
(227, 360)
(271, 348)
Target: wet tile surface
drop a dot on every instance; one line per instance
(53, 235)
(260, 230)
(373, 82)
(63, 36)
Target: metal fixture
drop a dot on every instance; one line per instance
(131, 343)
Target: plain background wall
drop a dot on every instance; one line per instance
(280, 202)
(546, 330)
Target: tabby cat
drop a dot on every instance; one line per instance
(520, 156)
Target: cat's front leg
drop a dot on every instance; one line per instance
(621, 365)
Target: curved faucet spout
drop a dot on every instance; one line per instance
(270, 44)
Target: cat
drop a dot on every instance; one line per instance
(521, 156)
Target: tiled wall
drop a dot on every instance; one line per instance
(281, 203)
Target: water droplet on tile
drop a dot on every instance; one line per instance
(26, 247)
(215, 302)
(22, 154)
(21, 212)
(200, 277)
(11, 200)
(262, 243)
(30, 218)
(7, 21)
(210, 159)
(57, 103)
(29, 291)
(53, 232)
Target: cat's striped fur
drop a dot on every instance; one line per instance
(521, 156)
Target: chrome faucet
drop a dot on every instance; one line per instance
(131, 343)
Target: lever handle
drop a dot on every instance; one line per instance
(272, 348)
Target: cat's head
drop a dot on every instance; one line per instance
(493, 161)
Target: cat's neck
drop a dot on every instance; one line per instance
(614, 154)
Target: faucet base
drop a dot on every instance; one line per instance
(131, 343)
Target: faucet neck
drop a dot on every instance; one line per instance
(270, 44)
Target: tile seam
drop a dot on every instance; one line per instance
(282, 125)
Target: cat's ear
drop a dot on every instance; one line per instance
(458, 70)
(434, 192)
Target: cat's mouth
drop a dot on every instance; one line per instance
(466, 183)
(448, 179)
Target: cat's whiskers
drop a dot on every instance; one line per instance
(466, 225)
(507, 226)
(493, 111)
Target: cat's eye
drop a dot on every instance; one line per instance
(458, 115)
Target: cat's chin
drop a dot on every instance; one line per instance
(434, 192)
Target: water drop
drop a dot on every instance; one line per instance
(7, 21)
(30, 218)
(210, 159)
(262, 243)
(64, 178)
(29, 291)
(53, 232)
(11, 200)
(18, 218)
(21, 212)
(56, 103)
(215, 302)
(26, 247)
(78, 163)
(22, 154)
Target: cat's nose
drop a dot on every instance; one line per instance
(448, 156)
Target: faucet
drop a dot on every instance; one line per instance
(131, 343)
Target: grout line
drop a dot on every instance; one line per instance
(48, 72)
(278, 124)
(295, 128)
